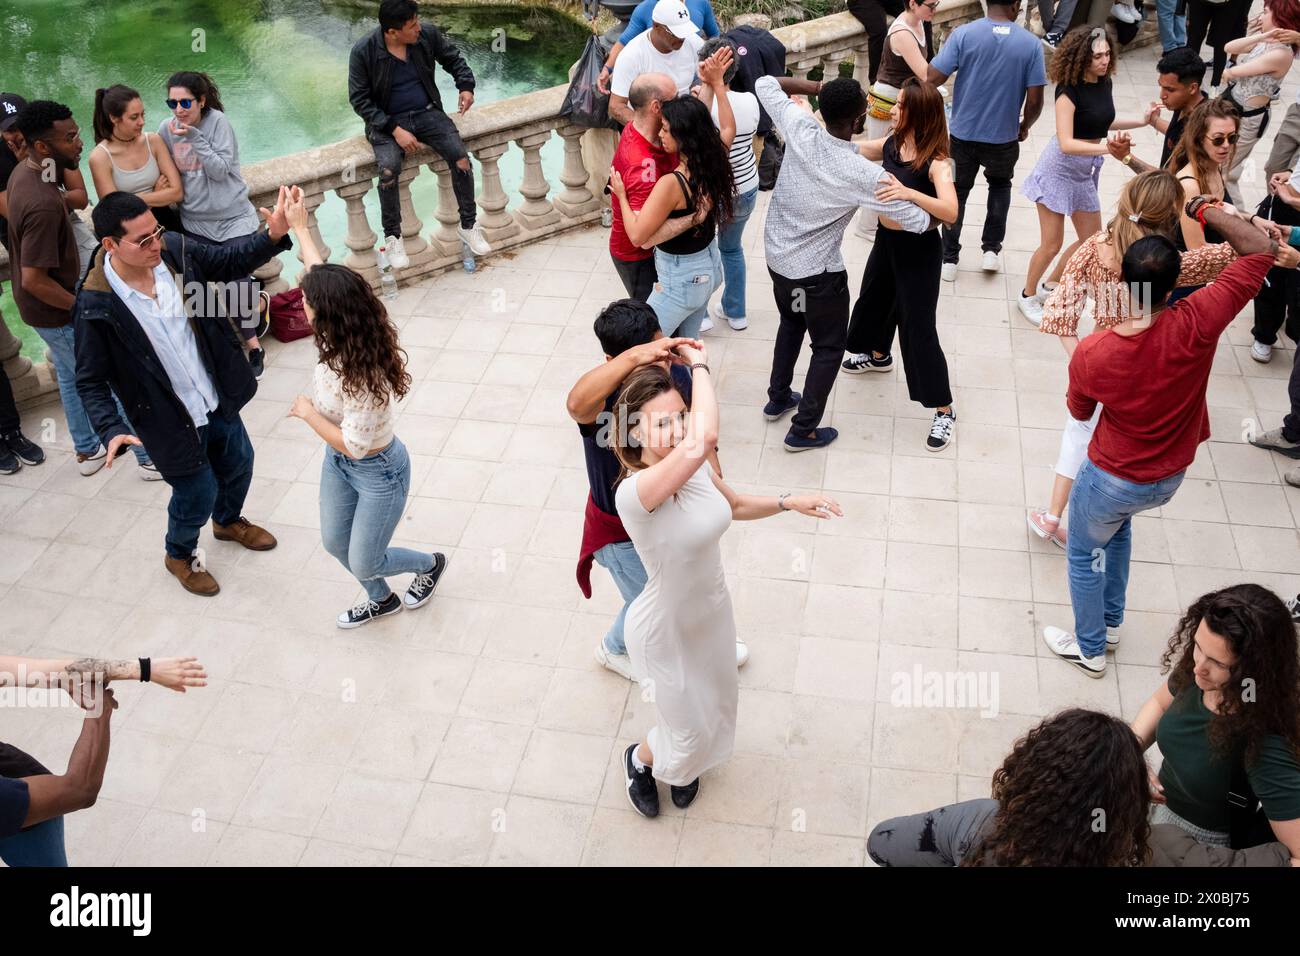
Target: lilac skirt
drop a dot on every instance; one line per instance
(1064, 184)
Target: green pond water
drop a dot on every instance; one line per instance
(281, 66)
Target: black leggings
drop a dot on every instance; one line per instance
(885, 303)
(1222, 23)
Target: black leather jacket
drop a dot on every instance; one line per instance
(370, 73)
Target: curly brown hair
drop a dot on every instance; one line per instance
(1072, 792)
(1262, 693)
(354, 335)
(1074, 53)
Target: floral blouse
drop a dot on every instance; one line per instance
(1087, 276)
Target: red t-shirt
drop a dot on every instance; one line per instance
(640, 163)
(1151, 385)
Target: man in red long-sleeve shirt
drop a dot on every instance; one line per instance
(1149, 374)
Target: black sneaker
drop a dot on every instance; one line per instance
(866, 362)
(421, 589)
(821, 438)
(367, 610)
(941, 431)
(1052, 40)
(257, 361)
(1293, 605)
(683, 797)
(28, 452)
(641, 790)
(774, 411)
(9, 462)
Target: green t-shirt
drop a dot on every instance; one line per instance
(1197, 779)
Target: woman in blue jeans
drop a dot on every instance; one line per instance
(701, 191)
(366, 474)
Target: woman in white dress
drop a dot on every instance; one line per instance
(680, 631)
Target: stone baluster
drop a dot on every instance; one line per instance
(496, 221)
(417, 250)
(536, 210)
(576, 199)
(862, 66)
(831, 64)
(802, 68)
(13, 363)
(361, 238)
(312, 201)
(445, 239)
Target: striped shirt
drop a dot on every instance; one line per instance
(744, 107)
(822, 183)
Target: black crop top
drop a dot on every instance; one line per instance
(1094, 107)
(918, 179)
(692, 240)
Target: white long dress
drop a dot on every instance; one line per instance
(680, 631)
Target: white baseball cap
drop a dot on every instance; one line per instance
(674, 15)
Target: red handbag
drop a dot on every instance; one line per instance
(288, 318)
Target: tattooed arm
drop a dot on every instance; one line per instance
(174, 673)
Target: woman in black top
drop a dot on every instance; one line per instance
(1064, 180)
(697, 195)
(916, 159)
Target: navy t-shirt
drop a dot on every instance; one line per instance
(14, 798)
(407, 94)
(602, 465)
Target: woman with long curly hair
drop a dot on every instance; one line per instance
(1072, 792)
(366, 474)
(1229, 711)
(900, 285)
(1064, 180)
(680, 630)
(701, 190)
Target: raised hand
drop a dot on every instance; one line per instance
(177, 673)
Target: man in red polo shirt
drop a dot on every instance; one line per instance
(1149, 374)
(640, 160)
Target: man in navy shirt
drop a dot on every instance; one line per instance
(999, 67)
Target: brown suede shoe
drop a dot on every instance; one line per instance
(249, 535)
(196, 582)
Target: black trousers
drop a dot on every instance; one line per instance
(434, 129)
(9, 420)
(872, 15)
(900, 290)
(999, 162)
(638, 277)
(1221, 23)
(819, 306)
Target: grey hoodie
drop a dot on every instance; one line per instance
(216, 205)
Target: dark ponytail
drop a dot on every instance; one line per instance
(110, 104)
(201, 85)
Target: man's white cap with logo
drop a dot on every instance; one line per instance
(674, 15)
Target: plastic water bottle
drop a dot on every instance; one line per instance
(467, 257)
(607, 216)
(387, 281)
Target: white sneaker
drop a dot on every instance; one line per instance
(992, 262)
(1063, 645)
(1031, 307)
(737, 324)
(742, 653)
(1261, 352)
(707, 324)
(1042, 292)
(148, 472)
(473, 237)
(397, 257)
(949, 272)
(620, 664)
(89, 464)
(1124, 13)
(1112, 640)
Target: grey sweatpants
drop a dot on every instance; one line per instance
(939, 837)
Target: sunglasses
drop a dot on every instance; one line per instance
(1220, 139)
(148, 240)
(183, 104)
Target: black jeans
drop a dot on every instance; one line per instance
(639, 277)
(1223, 22)
(819, 306)
(9, 420)
(886, 304)
(217, 491)
(434, 129)
(999, 162)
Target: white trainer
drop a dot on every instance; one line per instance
(1063, 645)
(397, 257)
(992, 262)
(620, 664)
(1031, 307)
(706, 324)
(949, 272)
(149, 472)
(89, 464)
(1261, 353)
(737, 324)
(473, 237)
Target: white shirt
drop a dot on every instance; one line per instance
(640, 56)
(744, 107)
(164, 321)
(365, 422)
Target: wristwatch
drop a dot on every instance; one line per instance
(780, 501)
(1128, 159)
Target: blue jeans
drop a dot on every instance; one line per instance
(1102, 507)
(681, 295)
(733, 256)
(41, 845)
(361, 501)
(217, 490)
(1173, 28)
(63, 353)
(624, 566)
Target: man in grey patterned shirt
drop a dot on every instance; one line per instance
(823, 181)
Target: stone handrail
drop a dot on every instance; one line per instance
(526, 122)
